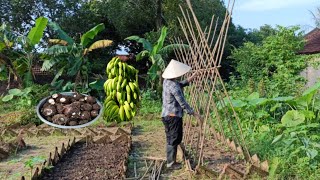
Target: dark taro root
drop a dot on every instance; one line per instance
(63, 100)
(94, 113)
(83, 121)
(46, 104)
(49, 118)
(86, 107)
(60, 108)
(78, 96)
(85, 115)
(56, 96)
(60, 119)
(75, 115)
(72, 123)
(71, 110)
(90, 99)
(77, 104)
(96, 106)
(49, 110)
(51, 101)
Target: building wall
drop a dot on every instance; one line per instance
(311, 74)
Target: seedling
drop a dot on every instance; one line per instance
(32, 161)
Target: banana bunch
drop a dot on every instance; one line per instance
(122, 90)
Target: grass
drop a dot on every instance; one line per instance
(14, 167)
(148, 125)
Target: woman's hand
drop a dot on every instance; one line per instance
(192, 77)
(198, 118)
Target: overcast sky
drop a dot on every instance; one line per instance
(255, 13)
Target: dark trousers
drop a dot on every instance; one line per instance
(173, 129)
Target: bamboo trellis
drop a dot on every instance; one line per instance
(208, 94)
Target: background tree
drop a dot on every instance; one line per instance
(316, 16)
(68, 57)
(274, 61)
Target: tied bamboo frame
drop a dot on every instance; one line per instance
(205, 59)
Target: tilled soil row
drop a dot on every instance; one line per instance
(223, 161)
(31, 130)
(93, 161)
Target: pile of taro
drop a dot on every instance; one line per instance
(70, 110)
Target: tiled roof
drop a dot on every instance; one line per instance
(313, 42)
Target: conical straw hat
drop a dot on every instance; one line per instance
(175, 69)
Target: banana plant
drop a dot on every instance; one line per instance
(156, 54)
(28, 49)
(7, 38)
(67, 56)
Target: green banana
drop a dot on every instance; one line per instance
(135, 96)
(119, 83)
(114, 110)
(112, 102)
(115, 80)
(114, 94)
(121, 113)
(123, 96)
(119, 98)
(120, 68)
(127, 110)
(116, 71)
(108, 99)
(131, 104)
(124, 83)
(124, 67)
(132, 87)
(128, 90)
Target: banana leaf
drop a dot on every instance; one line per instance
(36, 32)
(63, 35)
(97, 45)
(91, 34)
(160, 41)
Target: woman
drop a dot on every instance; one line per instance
(172, 108)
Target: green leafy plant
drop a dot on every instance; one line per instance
(67, 56)
(17, 93)
(156, 55)
(33, 161)
(274, 61)
(28, 49)
(7, 39)
(283, 129)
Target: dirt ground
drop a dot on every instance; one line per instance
(149, 141)
(13, 167)
(95, 161)
(148, 145)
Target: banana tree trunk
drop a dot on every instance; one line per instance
(159, 18)
(11, 69)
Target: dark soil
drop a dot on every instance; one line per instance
(216, 154)
(95, 161)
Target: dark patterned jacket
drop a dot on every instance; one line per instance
(173, 102)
